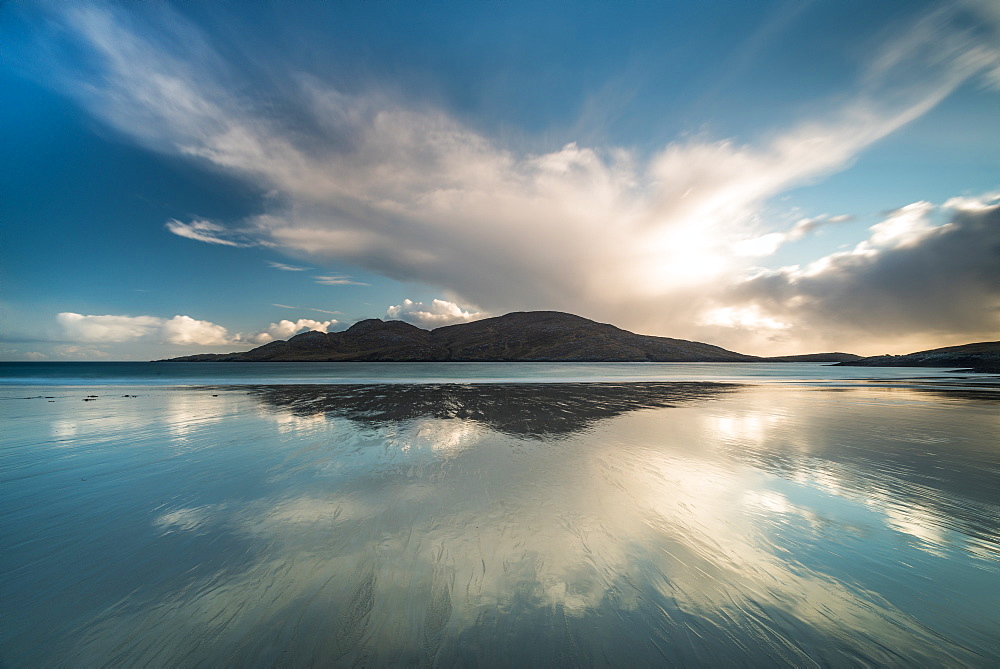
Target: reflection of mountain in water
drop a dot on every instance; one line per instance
(519, 409)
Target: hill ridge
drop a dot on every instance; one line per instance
(983, 356)
(520, 336)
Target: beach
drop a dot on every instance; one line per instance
(496, 524)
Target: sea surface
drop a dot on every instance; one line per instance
(477, 514)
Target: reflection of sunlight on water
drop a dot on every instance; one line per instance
(752, 426)
(294, 423)
(63, 428)
(442, 435)
(768, 501)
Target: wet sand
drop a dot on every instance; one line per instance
(531, 524)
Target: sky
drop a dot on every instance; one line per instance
(773, 177)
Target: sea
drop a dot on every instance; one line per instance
(498, 514)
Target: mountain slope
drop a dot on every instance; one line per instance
(543, 336)
(555, 336)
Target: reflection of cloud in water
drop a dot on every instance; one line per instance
(919, 523)
(926, 468)
(708, 532)
(185, 519)
(289, 422)
(187, 413)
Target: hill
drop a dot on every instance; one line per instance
(981, 356)
(532, 336)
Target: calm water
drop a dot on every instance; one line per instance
(261, 373)
(650, 520)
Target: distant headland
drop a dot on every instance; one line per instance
(979, 357)
(526, 336)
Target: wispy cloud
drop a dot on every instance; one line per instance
(342, 280)
(322, 311)
(769, 243)
(73, 352)
(287, 268)
(414, 194)
(204, 231)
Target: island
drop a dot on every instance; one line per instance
(525, 336)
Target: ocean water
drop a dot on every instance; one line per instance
(572, 515)
(282, 373)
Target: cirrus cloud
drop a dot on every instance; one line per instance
(201, 230)
(286, 268)
(341, 280)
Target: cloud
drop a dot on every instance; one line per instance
(116, 329)
(322, 311)
(187, 330)
(767, 244)
(439, 313)
(286, 268)
(284, 329)
(180, 330)
(203, 231)
(70, 351)
(912, 276)
(107, 328)
(410, 192)
(339, 281)
(746, 318)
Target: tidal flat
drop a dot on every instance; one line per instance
(500, 524)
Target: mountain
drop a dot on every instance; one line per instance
(982, 356)
(540, 336)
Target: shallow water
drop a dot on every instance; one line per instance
(500, 524)
(206, 373)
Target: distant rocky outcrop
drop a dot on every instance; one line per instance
(981, 357)
(531, 336)
(815, 357)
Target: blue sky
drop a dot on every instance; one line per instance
(772, 177)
